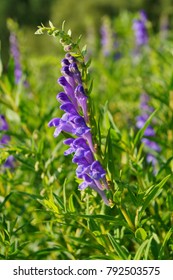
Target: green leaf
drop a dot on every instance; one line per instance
(84, 242)
(141, 250)
(39, 31)
(88, 63)
(167, 237)
(93, 225)
(109, 155)
(140, 233)
(50, 205)
(148, 248)
(113, 124)
(71, 204)
(118, 248)
(5, 200)
(84, 50)
(59, 201)
(64, 196)
(69, 32)
(151, 194)
(51, 24)
(63, 25)
(90, 88)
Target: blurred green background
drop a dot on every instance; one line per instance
(77, 14)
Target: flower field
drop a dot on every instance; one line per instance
(86, 144)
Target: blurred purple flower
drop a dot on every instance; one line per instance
(74, 121)
(140, 29)
(149, 133)
(9, 163)
(109, 42)
(3, 127)
(16, 56)
(106, 37)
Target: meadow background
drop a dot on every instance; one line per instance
(43, 215)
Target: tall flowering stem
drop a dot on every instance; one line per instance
(4, 140)
(76, 117)
(109, 42)
(69, 46)
(14, 48)
(149, 134)
(16, 54)
(106, 37)
(140, 30)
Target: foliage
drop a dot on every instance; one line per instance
(85, 18)
(43, 215)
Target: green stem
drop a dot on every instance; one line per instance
(127, 218)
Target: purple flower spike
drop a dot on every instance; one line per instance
(149, 133)
(106, 37)
(143, 16)
(3, 127)
(140, 29)
(16, 56)
(10, 162)
(74, 121)
(151, 144)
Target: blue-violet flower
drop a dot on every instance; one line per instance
(149, 133)
(140, 29)
(106, 36)
(75, 121)
(16, 56)
(9, 163)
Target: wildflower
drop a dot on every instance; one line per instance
(16, 56)
(75, 121)
(140, 29)
(109, 41)
(3, 126)
(106, 37)
(149, 133)
(15, 53)
(9, 163)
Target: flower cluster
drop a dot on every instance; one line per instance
(140, 29)
(149, 133)
(9, 163)
(75, 121)
(106, 37)
(109, 42)
(16, 56)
